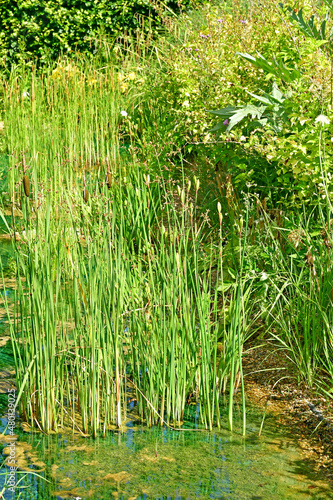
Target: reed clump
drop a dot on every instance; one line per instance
(129, 303)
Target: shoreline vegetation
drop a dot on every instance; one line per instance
(169, 201)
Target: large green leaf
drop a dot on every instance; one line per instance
(308, 28)
(264, 99)
(249, 109)
(276, 97)
(225, 112)
(275, 67)
(236, 115)
(273, 111)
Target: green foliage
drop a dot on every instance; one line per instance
(292, 138)
(31, 29)
(172, 273)
(273, 114)
(198, 69)
(299, 277)
(275, 68)
(308, 27)
(165, 86)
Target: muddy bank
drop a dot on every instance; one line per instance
(272, 385)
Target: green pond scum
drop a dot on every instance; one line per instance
(158, 463)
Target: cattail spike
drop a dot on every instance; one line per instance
(108, 179)
(264, 204)
(26, 185)
(85, 191)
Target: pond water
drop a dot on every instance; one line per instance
(158, 463)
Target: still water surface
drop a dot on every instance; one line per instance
(163, 464)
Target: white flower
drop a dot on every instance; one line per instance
(123, 113)
(243, 138)
(264, 276)
(322, 119)
(186, 104)
(26, 94)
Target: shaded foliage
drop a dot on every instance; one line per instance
(44, 30)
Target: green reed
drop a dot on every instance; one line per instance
(299, 300)
(120, 283)
(67, 117)
(116, 296)
(61, 115)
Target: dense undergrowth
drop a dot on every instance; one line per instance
(151, 252)
(29, 30)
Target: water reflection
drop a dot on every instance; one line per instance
(162, 464)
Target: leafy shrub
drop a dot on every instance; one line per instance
(199, 71)
(289, 121)
(202, 71)
(34, 28)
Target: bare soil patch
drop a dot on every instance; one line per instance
(271, 380)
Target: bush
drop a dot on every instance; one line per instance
(34, 28)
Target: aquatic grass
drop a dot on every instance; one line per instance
(299, 301)
(303, 319)
(72, 111)
(115, 298)
(118, 283)
(72, 118)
